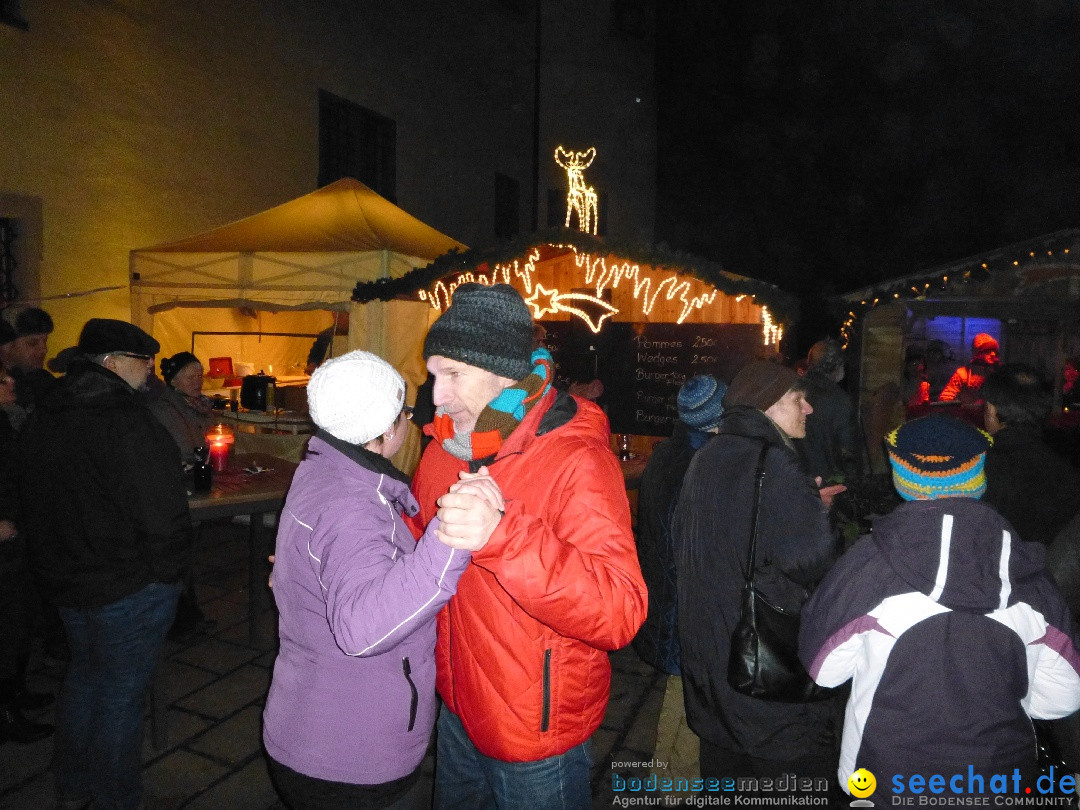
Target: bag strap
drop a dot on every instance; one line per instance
(759, 477)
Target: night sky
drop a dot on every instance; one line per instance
(826, 145)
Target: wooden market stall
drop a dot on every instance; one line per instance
(641, 320)
(1027, 295)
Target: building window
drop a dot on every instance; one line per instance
(11, 14)
(357, 142)
(507, 217)
(9, 234)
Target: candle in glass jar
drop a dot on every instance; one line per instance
(219, 439)
(219, 456)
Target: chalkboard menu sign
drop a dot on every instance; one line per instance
(643, 365)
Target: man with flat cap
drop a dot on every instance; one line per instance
(101, 491)
(521, 657)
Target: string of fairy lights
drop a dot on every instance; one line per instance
(947, 279)
(599, 275)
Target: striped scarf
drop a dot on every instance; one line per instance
(500, 417)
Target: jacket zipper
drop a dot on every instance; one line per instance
(407, 667)
(545, 716)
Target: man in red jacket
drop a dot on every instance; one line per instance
(522, 647)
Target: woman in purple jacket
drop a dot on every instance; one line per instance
(352, 702)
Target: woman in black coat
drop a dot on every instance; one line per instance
(741, 735)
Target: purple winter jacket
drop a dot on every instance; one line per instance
(353, 692)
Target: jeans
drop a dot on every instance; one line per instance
(99, 715)
(466, 779)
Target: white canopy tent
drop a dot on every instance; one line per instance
(259, 290)
(304, 256)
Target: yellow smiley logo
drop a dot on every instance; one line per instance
(861, 783)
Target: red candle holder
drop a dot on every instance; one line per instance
(219, 440)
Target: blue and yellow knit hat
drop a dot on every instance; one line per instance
(938, 456)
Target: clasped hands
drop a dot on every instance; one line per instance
(470, 511)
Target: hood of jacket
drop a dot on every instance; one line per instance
(357, 462)
(958, 551)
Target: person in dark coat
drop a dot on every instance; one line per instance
(740, 735)
(1038, 492)
(24, 358)
(184, 411)
(102, 494)
(24, 343)
(946, 623)
(181, 406)
(1032, 487)
(17, 602)
(700, 404)
(829, 450)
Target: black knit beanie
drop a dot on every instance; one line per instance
(33, 321)
(486, 327)
(170, 366)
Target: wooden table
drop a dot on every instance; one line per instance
(236, 492)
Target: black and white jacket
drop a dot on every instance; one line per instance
(953, 637)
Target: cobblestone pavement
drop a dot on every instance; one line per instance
(215, 685)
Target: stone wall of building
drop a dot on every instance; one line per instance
(128, 124)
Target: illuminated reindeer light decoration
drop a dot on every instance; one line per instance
(579, 197)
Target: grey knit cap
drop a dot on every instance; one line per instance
(486, 327)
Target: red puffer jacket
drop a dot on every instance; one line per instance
(521, 652)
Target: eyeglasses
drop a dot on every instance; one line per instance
(406, 411)
(144, 357)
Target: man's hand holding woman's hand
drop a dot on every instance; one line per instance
(470, 511)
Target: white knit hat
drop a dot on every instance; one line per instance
(355, 397)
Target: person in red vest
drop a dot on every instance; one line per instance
(967, 380)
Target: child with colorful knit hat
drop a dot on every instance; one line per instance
(946, 623)
(938, 456)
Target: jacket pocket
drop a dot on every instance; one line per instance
(545, 710)
(415, 699)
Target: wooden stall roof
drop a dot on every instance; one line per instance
(1040, 276)
(783, 304)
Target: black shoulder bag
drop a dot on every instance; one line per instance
(764, 661)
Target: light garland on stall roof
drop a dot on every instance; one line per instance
(846, 327)
(600, 276)
(773, 331)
